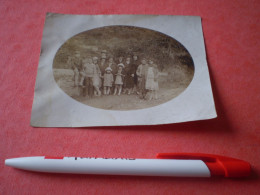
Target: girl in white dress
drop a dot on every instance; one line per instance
(119, 79)
(108, 80)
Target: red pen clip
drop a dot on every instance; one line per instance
(218, 165)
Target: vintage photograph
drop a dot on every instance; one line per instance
(122, 68)
(114, 70)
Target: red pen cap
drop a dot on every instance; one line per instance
(218, 165)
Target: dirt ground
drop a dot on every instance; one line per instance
(127, 102)
(115, 102)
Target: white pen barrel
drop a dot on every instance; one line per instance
(141, 167)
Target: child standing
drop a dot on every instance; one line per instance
(108, 80)
(119, 79)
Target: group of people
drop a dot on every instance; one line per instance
(96, 77)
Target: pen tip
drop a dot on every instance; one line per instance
(13, 162)
(8, 162)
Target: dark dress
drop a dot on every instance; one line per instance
(102, 67)
(135, 65)
(129, 80)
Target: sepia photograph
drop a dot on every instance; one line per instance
(122, 68)
(114, 70)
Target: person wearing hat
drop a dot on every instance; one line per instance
(102, 64)
(89, 70)
(142, 74)
(102, 67)
(96, 79)
(121, 65)
(129, 76)
(135, 64)
(119, 79)
(108, 81)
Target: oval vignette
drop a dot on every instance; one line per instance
(171, 73)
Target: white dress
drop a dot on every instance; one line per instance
(96, 77)
(149, 84)
(119, 79)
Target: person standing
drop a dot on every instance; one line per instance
(129, 76)
(150, 80)
(89, 70)
(96, 79)
(75, 70)
(103, 62)
(156, 82)
(142, 74)
(113, 66)
(76, 61)
(135, 64)
(103, 66)
(108, 81)
(76, 64)
(119, 79)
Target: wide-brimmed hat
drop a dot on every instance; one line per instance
(122, 65)
(108, 69)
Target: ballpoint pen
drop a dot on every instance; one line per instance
(166, 164)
